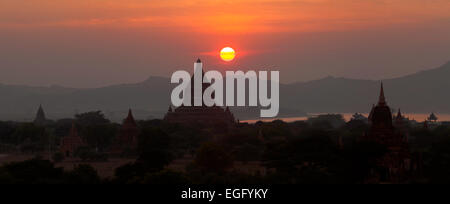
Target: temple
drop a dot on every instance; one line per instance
(70, 144)
(126, 141)
(40, 118)
(397, 165)
(217, 118)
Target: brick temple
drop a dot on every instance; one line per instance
(69, 144)
(127, 139)
(398, 164)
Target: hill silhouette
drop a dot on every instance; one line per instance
(422, 92)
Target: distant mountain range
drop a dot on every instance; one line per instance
(422, 92)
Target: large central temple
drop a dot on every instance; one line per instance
(398, 164)
(217, 118)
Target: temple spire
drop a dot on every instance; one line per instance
(399, 114)
(130, 118)
(70, 143)
(130, 114)
(40, 116)
(40, 112)
(382, 100)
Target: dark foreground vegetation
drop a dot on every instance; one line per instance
(319, 151)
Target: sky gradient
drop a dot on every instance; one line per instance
(81, 43)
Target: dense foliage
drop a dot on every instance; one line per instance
(324, 150)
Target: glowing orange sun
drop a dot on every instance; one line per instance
(227, 54)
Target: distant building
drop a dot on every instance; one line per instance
(127, 140)
(217, 118)
(40, 118)
(401, 125)
(432, 117)
(332, 120)
(70, 144)
(431, 122)
(359, 117)
(397, 165)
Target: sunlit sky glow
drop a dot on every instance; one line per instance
(57, 42)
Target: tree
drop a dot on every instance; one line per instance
(165, 177)
(87, 154)
(91, 118)
(213, 157)
(58, 157)
(97, 131)
(6, 132)
(34, 171)
(153, 148)
(433, 117)
(5, 177)
(247, 152)
(154, 155)
(277, 156)
(361, 156)
(99, 136)
(311, 157)
(438, 162)
(32, 138)
(325, 121)
(28, 131)
(62, 127)
(312, 148)
(83, 174)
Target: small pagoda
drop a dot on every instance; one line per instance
(127, 139)
(41, 119)
(71, 143)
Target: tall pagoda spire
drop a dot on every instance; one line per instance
(399, 114)
(40, 116)
(130, 118)
(382, 99)
(130, 114)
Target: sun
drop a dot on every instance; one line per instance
(227, 54)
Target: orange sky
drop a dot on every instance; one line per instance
(46, 42)
(224, 16)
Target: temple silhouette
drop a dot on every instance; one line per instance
(126, 142)
(71, 143)
(41, 119)
(218, 118)
(398, 165)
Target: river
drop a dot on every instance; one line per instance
(347, 116)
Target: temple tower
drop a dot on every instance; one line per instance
(40, 118)
(129, 131)
(70, 144)
(395, 166)
(127, 139)
(217, 118)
